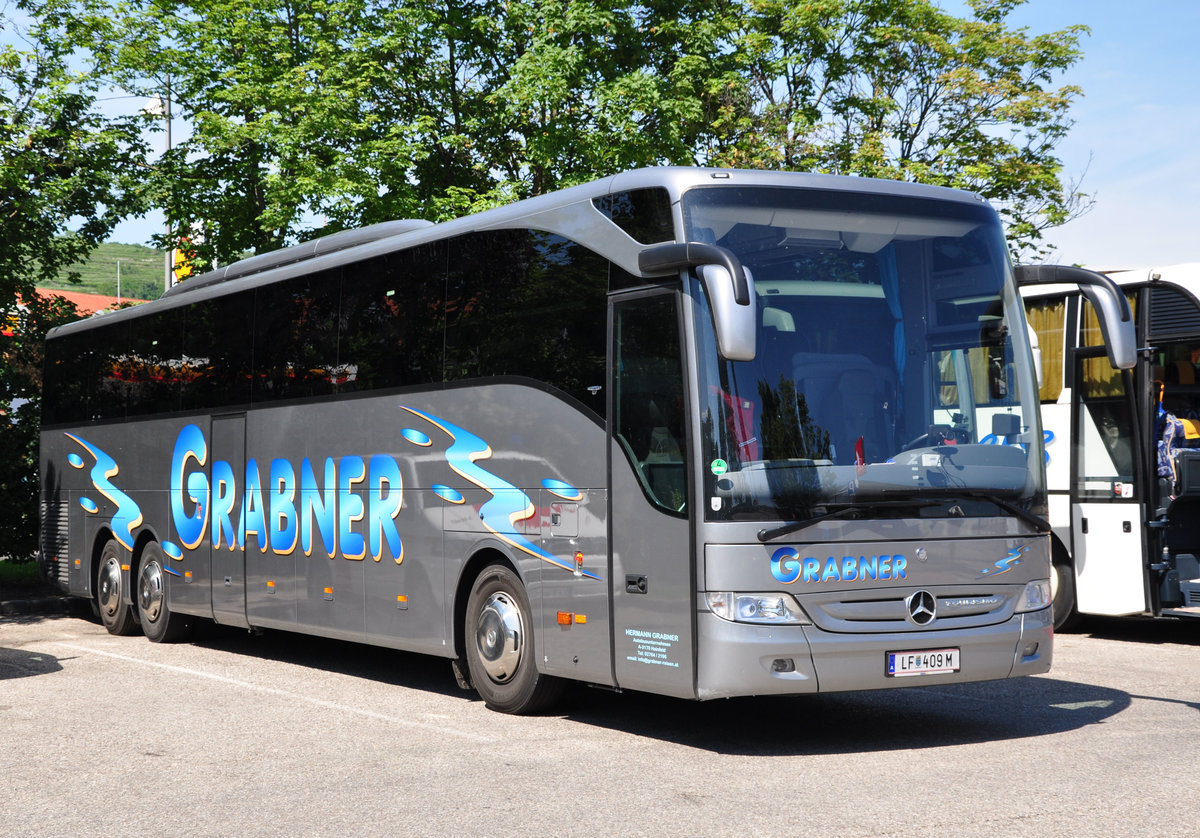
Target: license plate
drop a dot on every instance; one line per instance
(923, 662)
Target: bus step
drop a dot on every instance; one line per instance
(1192, 611)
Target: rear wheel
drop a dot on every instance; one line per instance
(159, 623)
(500, 646)
(117, 616)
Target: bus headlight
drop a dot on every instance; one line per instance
(766, 608)
(1035, 597)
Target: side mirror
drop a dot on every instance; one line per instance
(736, 325)
(730, 290)
(1116, 320)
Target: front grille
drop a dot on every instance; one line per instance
(56, 542)
(888, 611)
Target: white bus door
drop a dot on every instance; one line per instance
(1107, 503)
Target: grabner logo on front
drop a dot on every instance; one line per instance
(922, 608)
(788, 566)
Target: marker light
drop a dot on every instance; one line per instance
(1035, 597)
(765, 608)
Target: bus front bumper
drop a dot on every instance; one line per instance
(745, 659)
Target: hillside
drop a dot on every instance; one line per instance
(141, 272)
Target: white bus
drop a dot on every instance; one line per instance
(1126, 518)
(700, 433)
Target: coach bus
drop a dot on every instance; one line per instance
(1123, 465)
(694, 432)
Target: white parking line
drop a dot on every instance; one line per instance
(319, 702)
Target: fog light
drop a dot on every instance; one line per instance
(1030, 650)
(783, 665)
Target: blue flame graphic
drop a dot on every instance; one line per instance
(1006, 564)
(128, 516)
(508, 504)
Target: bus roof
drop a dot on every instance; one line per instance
(1186, 274)
(543, 212)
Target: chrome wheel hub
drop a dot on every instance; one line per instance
(500, 637)
(150, 590)
(108, 592)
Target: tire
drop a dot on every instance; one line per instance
(159, 623)
(117, 616)
(501, 655)
(1062, 588)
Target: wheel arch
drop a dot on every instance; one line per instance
(1062, 584)
(139, 545)
(1059, 553)
(475, 565)
(102, 537)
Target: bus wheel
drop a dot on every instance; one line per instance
(158, 622)
(1062, 589)
(118, 617)
(500, 649)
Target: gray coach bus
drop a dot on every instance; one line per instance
(694, 432)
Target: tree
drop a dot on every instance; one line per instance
(308, 116)
(67, 175)
(901, 89)
(359, 111)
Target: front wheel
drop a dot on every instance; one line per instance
(1062, 590)
(159, 623)
(500, 646)
(118, 616)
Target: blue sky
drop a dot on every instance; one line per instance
(1136, 138)
(1135, 145)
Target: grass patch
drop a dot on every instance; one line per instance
(19, 573)
(141, 270)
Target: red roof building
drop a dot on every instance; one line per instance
(88, 304)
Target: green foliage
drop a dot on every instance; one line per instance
(67, 175)
(357, 111)
(20, 417)
(16, 574)
(901, 89)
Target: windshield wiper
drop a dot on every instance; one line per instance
(1036, 521)
(839, 509)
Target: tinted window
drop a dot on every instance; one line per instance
(645, 214)
(153, 365)
(70, 375)
(392, 320)
(114, 367)
(648, 381)
(295, 337)
(531, 304)
(217, 346)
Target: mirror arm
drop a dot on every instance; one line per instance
(672, 257)
(1087, 281)
(1105, 296)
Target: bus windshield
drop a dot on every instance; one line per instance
(885, 366)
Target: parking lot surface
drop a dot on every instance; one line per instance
(235, 734)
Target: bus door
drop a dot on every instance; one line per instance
(1107, 499)
(228, 555)
(653, 577)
